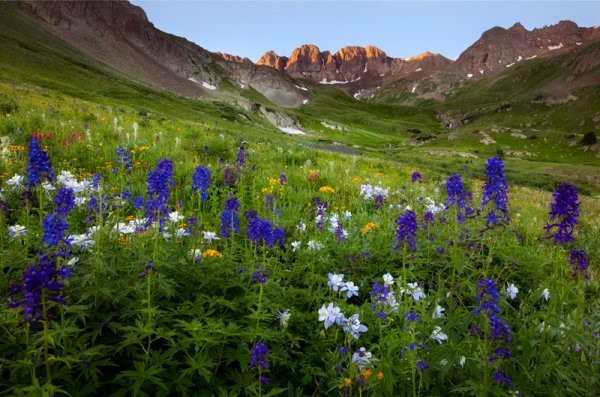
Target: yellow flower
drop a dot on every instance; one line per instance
(356, 180)
(313, 175)
(327, 189)
(211, 253)
(129, 218)
(347, 381)
(368, 227)
(15, 148)
(273, 181)
(367, 373)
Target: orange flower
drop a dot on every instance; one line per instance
(129, 218)
(327, 189)
(367, 373)
(16, 148)
(356, 180)
(380, 375)
(347, 381)
(313, 175)
(368, 227)
(211, 253)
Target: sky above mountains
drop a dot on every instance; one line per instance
(400, 28)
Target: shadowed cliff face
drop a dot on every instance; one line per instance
(120, 35)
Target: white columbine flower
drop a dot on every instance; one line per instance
(350, 289)
(347, 215)
(175, 217)
(362, 357)
(353, 326)
(438, 335)
(16, 181)
(283, 317)
(210, 236)
(181, 232)
(462, 360)
(296, 245)
(301, 227)
(438, 312)
(511, 291)
(335, 281)
(329, 314)
(73, 261)
(388, 279)
(415, 291)
(17, 231)
(314, 245)
(546, 294)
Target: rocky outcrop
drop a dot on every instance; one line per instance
(234, 58)
(500, 48)
(271, 59)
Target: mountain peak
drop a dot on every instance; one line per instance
(517, 27)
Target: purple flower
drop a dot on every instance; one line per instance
(55, 227)
(241, 157)
(406, 232)
(201, 181)
(138, 202)
(259, 277)
(416, 177)
(563, 212)
(39, 165)
(487, 297)
(579, 263)
(124, 157)
(422, 365)
(64, 201)
(40, 280)
(283, 180)
(495, 190)
(230, 177)
(412, 317)
(262, 230)
(148, 268)
(500, 378)
(159, 182)
(258, 356)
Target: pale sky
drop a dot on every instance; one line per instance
(400, 28)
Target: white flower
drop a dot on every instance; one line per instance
(438, 335)
(79, 201)
(175, 217)
(301, 227)
(438, 312)
(362, 357)
(48, 187)
(73, 261)
(210, 236)
(196, 254)
(17, 231)
(443, 362)
(462, 360)
(296, 245)
(546, 294)
(335, 281)
(353, 326)
(81, 240)
(511, 291)
(415, 291)
(350, 289)
(388, 279)
(329, 314)
(347, 215)
(124, 228)
(181, 232)
(314, 245)
(283, 317)
(16, 181)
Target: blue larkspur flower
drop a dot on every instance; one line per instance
(258, 356)
(230, 222)
(55, 228)
(259, 277)
(406, 231)
(495, 190)
(579, 263)
(64, 201)
(416, 177)
(201, 181)
(563, 214)
(124, 157)
(38, 165)
(159, 182)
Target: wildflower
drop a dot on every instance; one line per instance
(210, 236)
(283, 180)
(39, 165)
(353, 326)
(201, 181)
(579, 263)
(54, 227)
(462, 361)
(301, 227)
(380, 375)
(388, 279)
(313, 175)
(487, 296)
(230, 223)
(327, 189)
(40, 281)
(148, 268)
(84, 241)
(124, 157)
(438, 312)
(362, 357)
(564, 212)
(283, 317)
(350, 289)
(500, 378)
(17, 231)
(512, 291)
(415, 291)
(196, 254)
(174, 217)
(438, 335)
(412, 316)
(546, 294)
(495, 190)
(261, 229)
(340, 233)
(64, 201)
(314, 245)
(159, 182)
(329, 315)
(422, 365)
(259, 277)
(416, 177)
(230, 177)
(335, 281)
(376, 194)
(258, 356)
(368, 227)
(241, 157)
(16, 182)
(406, 232)
(138, 202)
(296, 245)
(211, 253)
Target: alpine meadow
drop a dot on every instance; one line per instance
(323, 224)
